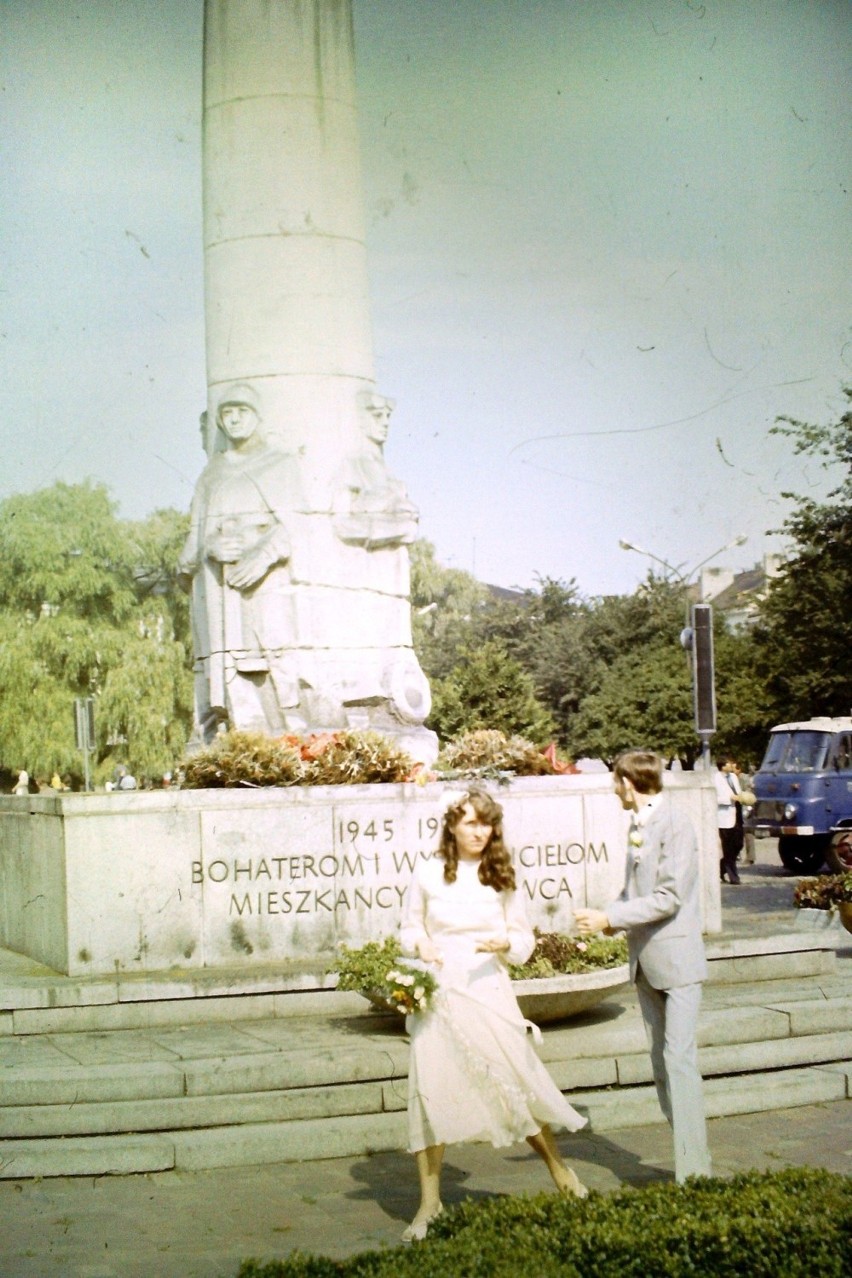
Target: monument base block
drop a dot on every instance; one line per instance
(195, 879)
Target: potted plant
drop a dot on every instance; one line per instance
(829, 894)
(380, 972)
(563, 976)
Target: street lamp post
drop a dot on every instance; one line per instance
(697, 639)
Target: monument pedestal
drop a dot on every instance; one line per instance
(200, 879)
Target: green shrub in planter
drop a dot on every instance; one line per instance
(795, 1223)
(365, 968)
(555, 954)
(823, 893)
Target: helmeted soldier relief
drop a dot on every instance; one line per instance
(237, 559)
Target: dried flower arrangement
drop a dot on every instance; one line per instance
(251, 759)
(487, 752)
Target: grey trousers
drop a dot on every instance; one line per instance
(671, 1023)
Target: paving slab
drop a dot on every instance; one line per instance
(97, 1048)
(180, 1224)
(731, 1025)
(30, 1053)
(770, 993)
(217, 1039)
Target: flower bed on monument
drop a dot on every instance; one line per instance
(562, 978)
(252, 760)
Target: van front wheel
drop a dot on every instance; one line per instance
(839, 855)
(802, 855)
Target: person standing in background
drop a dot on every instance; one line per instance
(729, 818)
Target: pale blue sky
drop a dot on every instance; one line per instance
(608, 245)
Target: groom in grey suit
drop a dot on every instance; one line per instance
(659, 910)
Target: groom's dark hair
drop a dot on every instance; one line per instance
(642, 768)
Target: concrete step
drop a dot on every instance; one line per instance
(605, 1047)
(35, 1000)
(269, 1068)
(354, 1135)
(288, 1076)
(791, 954)
(382, 1094)
(268, 1087)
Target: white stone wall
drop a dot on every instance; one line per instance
(149, 881)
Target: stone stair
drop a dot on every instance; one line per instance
(239, 1068)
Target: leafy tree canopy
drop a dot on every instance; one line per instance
(444, 605)
(803, 637)
(488, 689)
(644, 699)
(89, 607)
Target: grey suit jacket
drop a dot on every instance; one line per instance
(659, 904)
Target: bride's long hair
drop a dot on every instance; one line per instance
(495, 866)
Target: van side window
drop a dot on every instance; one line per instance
(842, 753)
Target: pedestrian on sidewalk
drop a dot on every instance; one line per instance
(473, 1073)
(659, 910)
(729, 818)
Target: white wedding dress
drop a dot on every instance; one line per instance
(474, 1074)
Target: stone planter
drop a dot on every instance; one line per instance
(555, 998)
(544, 999)
(809, 919)
(844, 909)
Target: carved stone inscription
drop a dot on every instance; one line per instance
(307, 880)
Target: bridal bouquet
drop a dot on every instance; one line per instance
(410, 987)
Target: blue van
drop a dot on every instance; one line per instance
(803, 794)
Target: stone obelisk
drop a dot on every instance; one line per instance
(285, 262)
(298, 554)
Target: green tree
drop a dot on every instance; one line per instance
(488, 689)
(743, 715)
(643, 699)
(803, 635)
(89, 606)
(545, 631)
(444, 605)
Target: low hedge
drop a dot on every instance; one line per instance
(796, 1223)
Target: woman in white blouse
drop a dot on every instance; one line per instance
(473, 1074)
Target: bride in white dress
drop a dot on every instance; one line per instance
(474, 1074)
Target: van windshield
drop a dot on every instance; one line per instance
(796, 751)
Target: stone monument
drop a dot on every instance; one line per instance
(298, 555)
